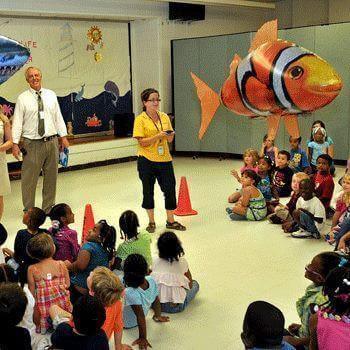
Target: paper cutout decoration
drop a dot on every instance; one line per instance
(112, 88)
(94, 35)
(278, 79)
(13, 56)
(97, 57)
(93, 121)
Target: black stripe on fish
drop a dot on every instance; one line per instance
(284, 87)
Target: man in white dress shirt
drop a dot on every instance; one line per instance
(38, 119)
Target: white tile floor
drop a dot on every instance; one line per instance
(235, 263)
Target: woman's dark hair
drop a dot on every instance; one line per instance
(128, 224)
(89, 315)
(56, 213)
(37, 218)
(263, 325)
(330, 260)
(169, 247)
(322, 126)
(135, 270)
(337, 288)
(3, 234)
(253, 175)
(108, 236)
(7, 274)
(13, 303)
(145, 95)
(41, 247)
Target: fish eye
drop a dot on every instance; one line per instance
(296, 72)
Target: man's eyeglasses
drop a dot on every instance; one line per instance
(154, 101)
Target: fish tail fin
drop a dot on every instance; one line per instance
(210, 102)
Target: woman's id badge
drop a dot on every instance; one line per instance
(41, 114)
(161, 150)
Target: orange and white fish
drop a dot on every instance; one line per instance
(277, 79)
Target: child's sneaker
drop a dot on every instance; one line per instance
(302, 234)
(274, 219)
(229, 211)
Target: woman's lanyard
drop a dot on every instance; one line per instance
(160, 148)
(155, 124)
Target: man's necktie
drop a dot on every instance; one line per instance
(41, 122)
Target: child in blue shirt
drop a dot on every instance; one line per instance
(141, 295)
(298, 157)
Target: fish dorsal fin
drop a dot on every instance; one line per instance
(234, 64)
(266, 33)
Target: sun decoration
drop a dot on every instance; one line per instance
(94, 34)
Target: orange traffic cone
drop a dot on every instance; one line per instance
(89, 222)
(184, 203)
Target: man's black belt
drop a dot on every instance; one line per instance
(45, 139)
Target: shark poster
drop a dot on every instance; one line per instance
(86, 63)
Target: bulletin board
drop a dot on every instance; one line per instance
(86, 63)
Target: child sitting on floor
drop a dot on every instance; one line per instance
(250, 158)
(323, 182)
(33, 219)
(317, 146)
(330, 326)
(13, 304)
(269, 149)
(88, 316)
(263, 327)
(61, 216)
(48, 281)
(282, 176)
(172, 274)
(141, 294)
(283, 213)
(134, 242)
(97, 251)
(106, 287)
(309, 214)
(251, 204)
(298, 157)
(341, 217)
(3, 238)
(316, 272)
(264, 172)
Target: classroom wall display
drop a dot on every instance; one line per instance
(209, 58)
(86, 63)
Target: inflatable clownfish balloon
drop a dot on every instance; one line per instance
(277, 79)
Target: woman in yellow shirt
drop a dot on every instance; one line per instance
(153, 131)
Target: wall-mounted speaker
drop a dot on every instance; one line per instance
(186, 12)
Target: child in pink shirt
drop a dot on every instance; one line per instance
(330, 326)
(66, 238)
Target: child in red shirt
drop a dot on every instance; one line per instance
(323, 182)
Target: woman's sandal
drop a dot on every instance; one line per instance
(175, 226)
(151, 227)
